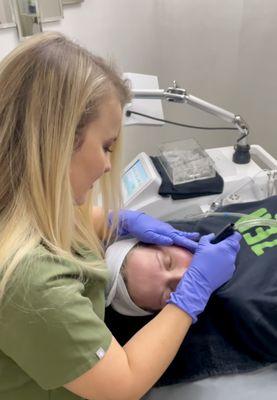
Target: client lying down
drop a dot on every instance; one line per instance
(238, 330)
(147, 274)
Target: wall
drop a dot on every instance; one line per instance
(221, 51)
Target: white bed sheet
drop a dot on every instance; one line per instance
(257, 385)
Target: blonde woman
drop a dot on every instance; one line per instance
(60, 119)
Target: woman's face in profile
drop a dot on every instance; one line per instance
(153, 272)
(92, 159)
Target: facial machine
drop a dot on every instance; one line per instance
(248, 173)
(242, 182)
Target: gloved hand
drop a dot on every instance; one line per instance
(151, 230)
(212, 265)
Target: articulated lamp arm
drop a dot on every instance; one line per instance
(179, 95)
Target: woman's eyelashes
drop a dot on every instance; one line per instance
(107, 149)
(108, 145)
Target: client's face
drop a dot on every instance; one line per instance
(153, 272)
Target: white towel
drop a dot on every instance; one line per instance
(116, 292)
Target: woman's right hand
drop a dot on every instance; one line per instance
(211, 266)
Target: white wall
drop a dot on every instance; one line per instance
(223, 51)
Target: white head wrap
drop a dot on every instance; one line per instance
(116, 292)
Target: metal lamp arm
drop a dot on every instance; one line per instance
(179, 95)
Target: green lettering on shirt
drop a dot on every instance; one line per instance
(254, 240)
(258, 249)
(261, 234)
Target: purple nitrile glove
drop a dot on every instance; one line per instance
(212, 265)
(151, 230)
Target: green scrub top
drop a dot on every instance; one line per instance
(51, 328)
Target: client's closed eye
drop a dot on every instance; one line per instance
(167, 262)
(164, 259)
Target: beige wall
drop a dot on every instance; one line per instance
(223, 51)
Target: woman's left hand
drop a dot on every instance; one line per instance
(151, 230)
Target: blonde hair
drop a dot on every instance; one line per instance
(50, 89)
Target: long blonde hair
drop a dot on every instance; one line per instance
(50, 89)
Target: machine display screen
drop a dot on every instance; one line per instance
(134, 178)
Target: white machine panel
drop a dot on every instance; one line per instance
(141, 182)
